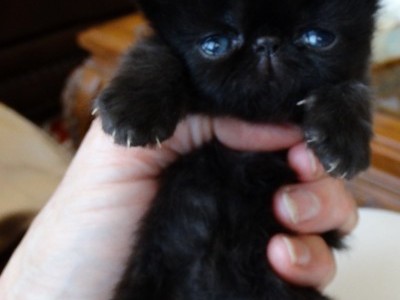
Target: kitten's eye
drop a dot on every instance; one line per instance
(317, 38)
(217, 45)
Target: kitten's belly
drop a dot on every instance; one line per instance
(212, 219)
(205, 235)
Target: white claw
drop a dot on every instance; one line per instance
(309, 101)
(313, 139)
(159, 145)
(344, 175)
(95, 111)
(114, 134)
(129, 142)
(302, 102)
(333, 166)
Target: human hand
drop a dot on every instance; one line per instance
(318, 203)
(78, 244)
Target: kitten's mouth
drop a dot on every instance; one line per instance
(266, 66)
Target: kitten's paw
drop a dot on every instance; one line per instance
(339, 137)
(336, 159)
(135, 125)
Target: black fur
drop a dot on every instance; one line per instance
(206, 232)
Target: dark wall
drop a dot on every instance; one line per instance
(38, 48)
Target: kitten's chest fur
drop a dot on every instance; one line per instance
(206, 233)
(254, 109)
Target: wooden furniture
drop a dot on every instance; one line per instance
(380, 186)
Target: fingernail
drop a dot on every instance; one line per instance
(300, 206)
(350, 224)
(312, 161)
(298, 252)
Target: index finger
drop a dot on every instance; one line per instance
(243, 136)
(305, 163)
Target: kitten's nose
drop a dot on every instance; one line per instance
(267, 45)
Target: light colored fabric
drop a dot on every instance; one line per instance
(386, 43)
(370, 269)
(31, 164)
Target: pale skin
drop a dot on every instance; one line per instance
(80, 241)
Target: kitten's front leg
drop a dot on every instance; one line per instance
(144, 102)
(337, 126)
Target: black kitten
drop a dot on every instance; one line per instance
(302, 61)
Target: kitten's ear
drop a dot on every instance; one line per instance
(374, 5)
(156, 10)
(153, 7)
(146, 4)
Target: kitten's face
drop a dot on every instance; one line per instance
(254, 54)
